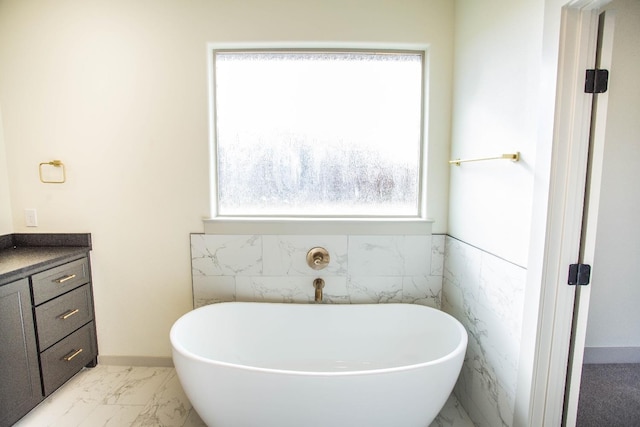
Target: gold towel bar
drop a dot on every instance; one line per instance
(511, 156)
(57, 164)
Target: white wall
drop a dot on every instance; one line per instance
(504, 93)
(496, 83)
(6, 220)
(615, 294)
(118, 91)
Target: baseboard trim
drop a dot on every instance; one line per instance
(156, 362)
(611, 355)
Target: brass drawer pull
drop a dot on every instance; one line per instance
(69, 313)
(71, 355)
(64, 279)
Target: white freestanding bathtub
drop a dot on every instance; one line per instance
(303, 365)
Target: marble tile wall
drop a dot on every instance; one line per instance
(486, 294)
(363, 269)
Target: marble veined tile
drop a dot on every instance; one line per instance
(111, 416)
(95, 383)
(480, 385)
(213, 289)
(437, 254)
(286, 255)
(168, 407)
(374, 289)
(417, 255)
(501, 291)
(462, 264)
(487, 402)
(290, 289)
(376, 255)
(452, 415)
(58, 410)
(424, 290)
(497, 347)
(409, 268)
(486, 294)
(72, 404)
(274, 289)
(194, 420)
(137, 387)
(336, 291)
(226, 255)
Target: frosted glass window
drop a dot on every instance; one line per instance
(318, 133)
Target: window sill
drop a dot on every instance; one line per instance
(318, 226)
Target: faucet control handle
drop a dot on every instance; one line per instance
(318, 258)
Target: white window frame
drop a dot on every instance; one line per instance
(218, 224)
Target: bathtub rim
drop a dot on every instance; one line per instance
(179, 348)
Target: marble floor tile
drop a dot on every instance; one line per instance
(452, 415)
(194, 420)
(138, 386)
(111, 416)
(168, 407)
(118, 396)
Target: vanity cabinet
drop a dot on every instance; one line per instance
(20, 388)
(47, 328)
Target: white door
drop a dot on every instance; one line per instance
(605, 311)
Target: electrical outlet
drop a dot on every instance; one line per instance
(31, 217)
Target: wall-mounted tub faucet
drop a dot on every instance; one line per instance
(318, 258)
(318, 284)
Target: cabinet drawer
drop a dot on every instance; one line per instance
(63, 315)
(64, 359)
(58, 280)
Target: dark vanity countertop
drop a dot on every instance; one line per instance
(25, 254)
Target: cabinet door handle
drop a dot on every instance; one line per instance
(71, 355)
(68, 314)
(65, 278)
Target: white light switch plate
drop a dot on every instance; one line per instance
(31, 217)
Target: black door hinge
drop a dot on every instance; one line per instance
(579, 274)
(596, 81)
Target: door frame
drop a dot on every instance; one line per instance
(590, 219)
(542, 371)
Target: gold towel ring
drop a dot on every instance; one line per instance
(54, 163)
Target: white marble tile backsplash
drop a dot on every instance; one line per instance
(287, 255)
(226, 255)
(486, 294)
(363, 269)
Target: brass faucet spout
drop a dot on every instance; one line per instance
(318, 284)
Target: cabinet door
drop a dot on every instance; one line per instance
(20, 388)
